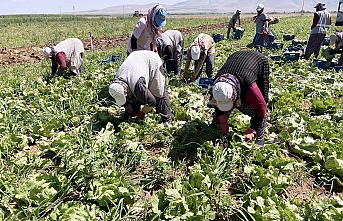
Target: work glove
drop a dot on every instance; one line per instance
(133, 114)
(249, 135)
(141, 115)
(224, 126)
(193, 78)
(265, 32)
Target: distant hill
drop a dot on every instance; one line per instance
(221, 6)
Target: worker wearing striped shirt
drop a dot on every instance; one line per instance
(242, 83)
(140, 80)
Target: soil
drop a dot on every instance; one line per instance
(21, 55)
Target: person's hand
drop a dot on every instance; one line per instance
(193, 78)
(249, 135)
(265, 32)
(224, 126)
(185, 74)
(133, 114)
(234, 27)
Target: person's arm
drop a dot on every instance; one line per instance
(330, 20)
(188, 61)
(61, 60)
(137, 32)
(168, 52)
(255, 99)
(54, 65)
(198, 67)
(315, 20)
(144, 96)
(133, 43)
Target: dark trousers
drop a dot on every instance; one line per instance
(175, 63)
(313, 45)
(209, 61)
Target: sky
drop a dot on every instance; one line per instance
(66, 6)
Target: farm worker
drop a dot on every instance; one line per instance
(273, 21)
(68, 53)
(147, 30)
(140, 80)
(242, 83)
(201, 50)
(320, 26)
(232, 23)
(337, 40)
(261, 28)
(170, 48)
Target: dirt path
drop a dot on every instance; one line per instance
(34, 54)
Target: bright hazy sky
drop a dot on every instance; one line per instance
(63, 6)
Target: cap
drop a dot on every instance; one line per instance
(320, 6)
(46, 51)
(333, 39)
(260, 7)
(222, 93)
(195, 52)
(161, 17)
(117, 92)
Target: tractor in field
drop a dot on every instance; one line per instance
(137, 14)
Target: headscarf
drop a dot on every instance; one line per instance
(156, 30)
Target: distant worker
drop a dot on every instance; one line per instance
(147, 30)
(233, 21)
(320, 27)
(337, 40)
(242, 83)
(261, 21)
(201, 50)
(170, 48)
(66, 54)
(140, 80)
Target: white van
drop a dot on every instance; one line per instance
(339, 19)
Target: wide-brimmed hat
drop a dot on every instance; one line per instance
(333, 39)
(195, 52)
(161, 17)
(118, 93)
(222, 93)
(320, 6)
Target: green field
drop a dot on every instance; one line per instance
(67, 154)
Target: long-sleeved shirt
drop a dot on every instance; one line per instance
(251, 68)
(234, 19)
(209, 44)
(143, 72)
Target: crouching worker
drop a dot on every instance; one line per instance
(201, 50)
(337, 40)
(242, 83)
(66, 54)
(140, 80)
(170, 48)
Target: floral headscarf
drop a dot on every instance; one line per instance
(156, 30)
